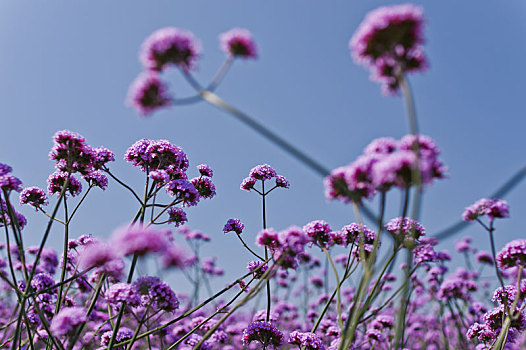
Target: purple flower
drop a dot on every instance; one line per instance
(185, 191)
(307, 341)
(463, 245)
(148, 93)
(281, 181)
(262, 172)
(56, 182)
(406, 230)
(174, 256)
(248, 183)
(204, 186)
(67, 320)
(484, 258)
(170, 46)
(177, 216)
(354, 231)
(71, 152)
(238, 42)
(389, 42)
(97, 178)
(122, 335)
(102, 156)
(101, 255)
(290, 247)
(42, 281)
(122, 292)
(382, 145)
(267, 238)
(234, 225)
(157, 155)
(138, 240)
(205, 170)
(10, 183)
(254, 265)
(481, 331)
(33, 196)
(492, 208)
(263, 332)
(157, 293)
(513, 254)
(5, 169)
(319, 232)
(424, 253)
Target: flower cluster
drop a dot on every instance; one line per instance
(386, 163)
(492, 208)
(263, 172)
(175, 47)
(389, 42)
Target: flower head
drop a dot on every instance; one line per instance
(148, 93)
(513, 254)
(138, 240)
(238, 42)
(56, 183)
(33, 196)
(67, 320)
(263, 332)
(156, 292)
(234, 225)
(319, 232)
(170, 46)
(492, 208)
(177, 216)
(262, 172)
(204, 186)
(205, 170)
(389, 41)
(10, 183)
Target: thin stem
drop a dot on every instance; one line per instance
(248, 248)
(123, 184)
(64, 256)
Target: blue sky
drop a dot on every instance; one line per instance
(68, 65)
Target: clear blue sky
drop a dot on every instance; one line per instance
(68, 65)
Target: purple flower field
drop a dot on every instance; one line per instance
(379, 282)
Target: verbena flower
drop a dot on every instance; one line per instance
(205, 170)
(118, 293)
(281, 181)
(97, 178)
(389, 42)
(67, 320)
(174, 256)
(513, 254)
(33, 196)
(170, 46)
(238, 42)
(177, 216)
(319, 231)
(263, 332)
(254, 265)
(5, 169)
(138, 240)
(156, 293)
(492, 208)
(56, 183)
(306, 340)
(234, 225)
(148, 93)
(9, 183)
(262, 172)
(204, 186)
